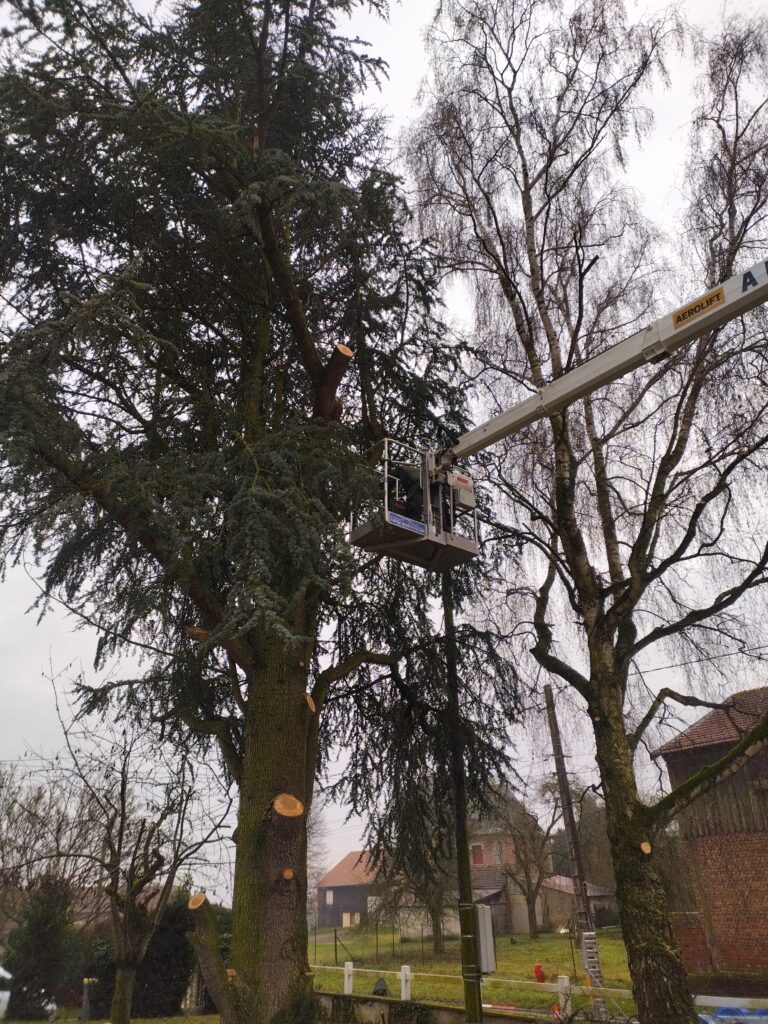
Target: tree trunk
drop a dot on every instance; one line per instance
(438, 943)
(533, 924)
(659, 981)
(269, 927)
(122, 998)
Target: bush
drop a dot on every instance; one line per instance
(162, 978)
(39, 949)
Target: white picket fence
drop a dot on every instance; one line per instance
(563, 988)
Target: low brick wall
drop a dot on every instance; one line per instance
(338, 1009)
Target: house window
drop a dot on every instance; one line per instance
(477, 854)
(329, 898)
(497, 852)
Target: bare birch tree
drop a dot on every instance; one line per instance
(131, 818)
(530, 838)
(646, 528)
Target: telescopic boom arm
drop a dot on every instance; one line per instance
(654, 343)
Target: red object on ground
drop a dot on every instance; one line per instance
(538, 973)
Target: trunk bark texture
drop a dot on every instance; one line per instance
(438, 945)
(659, 979)
(122, 997)
(533, 925)
(269, 928)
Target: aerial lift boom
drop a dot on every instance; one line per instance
(429, 507)
(655, 342)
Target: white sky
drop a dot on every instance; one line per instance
(28, 650)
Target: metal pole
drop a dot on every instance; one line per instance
(316, 914)
(376, 926)
(583, 913)
(335, 948)
(584, 923)
(473, 999)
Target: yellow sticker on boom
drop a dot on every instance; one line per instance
(698, 308)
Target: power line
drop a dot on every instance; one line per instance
(696, 661)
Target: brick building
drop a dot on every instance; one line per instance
(725, 834)
(492, 848)
(342, 894)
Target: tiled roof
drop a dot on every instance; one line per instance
(354, 869)
(722, 725)
(562, 883)
(488, 876)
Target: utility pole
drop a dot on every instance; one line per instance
(470, 968)
(584, 922)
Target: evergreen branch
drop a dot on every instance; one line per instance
(89, 620)
(347, 667)
(219, 728)
(326, 379)
(294, 307)
(137, 527)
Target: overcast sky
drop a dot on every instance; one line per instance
(28, 650)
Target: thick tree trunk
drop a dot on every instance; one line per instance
(269, 928)
(533, 924)
(438, 943)
(659, 980)
(122, 998)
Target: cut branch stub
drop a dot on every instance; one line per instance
(288, 806)
(646, 847)
(205, 941)
(196, 901)
(310, 703)
(231, 997)
(327, 405)
(288, 874)
(197, 633)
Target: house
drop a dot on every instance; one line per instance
(342, 894)
(492, 852)
(414, 920)
(492, 849)
(725, 836)
(559, 902)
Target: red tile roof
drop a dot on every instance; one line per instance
(722, 725)
(354, 869)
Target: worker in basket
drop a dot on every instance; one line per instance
(406, 496)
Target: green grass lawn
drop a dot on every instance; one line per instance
(514, 961)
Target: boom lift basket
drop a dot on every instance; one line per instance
(427, 515)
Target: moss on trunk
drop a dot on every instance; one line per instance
(659, 981)
(122, 997)
(438, 942)
(269, 929)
